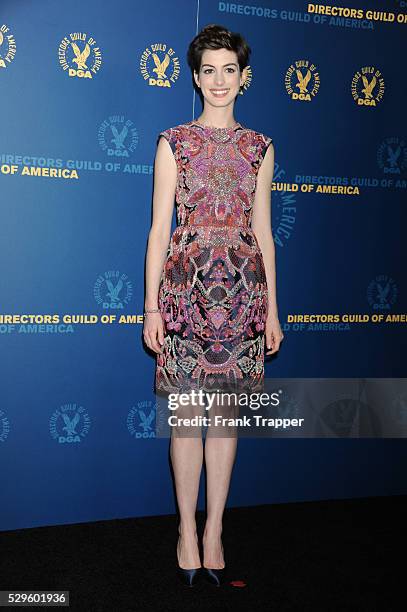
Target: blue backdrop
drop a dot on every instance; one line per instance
(81, 109)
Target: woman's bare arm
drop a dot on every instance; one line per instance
(165, 180)
(261, 225)
(165, 177)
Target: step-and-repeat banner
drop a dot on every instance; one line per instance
(85, 91)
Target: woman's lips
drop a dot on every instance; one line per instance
(222, 94)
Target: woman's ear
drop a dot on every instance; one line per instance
(196, 79)
(244, 76)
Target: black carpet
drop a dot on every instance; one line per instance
(327, 555)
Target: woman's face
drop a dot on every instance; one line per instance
(219, 77)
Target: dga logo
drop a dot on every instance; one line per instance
(382, 292)
(69, 424)
(117, 136)
(113, 290)
(7, 46)
(247, 82)
(4, 426)
(348, 418)
(144, 421)
(79, 55)
(302, 81)
(159, 65)
(402, 3)
(367, 86)
(399, 410)
(392, 156)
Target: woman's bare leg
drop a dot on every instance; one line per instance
(220, 453)
(186, 451)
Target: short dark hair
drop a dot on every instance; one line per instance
(215, 36)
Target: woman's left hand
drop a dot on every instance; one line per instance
(274, 335)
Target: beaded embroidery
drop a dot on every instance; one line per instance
(213, 289)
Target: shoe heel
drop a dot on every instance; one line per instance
(215, 576)
(189, 577)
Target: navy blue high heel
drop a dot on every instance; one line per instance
(215, 576)
(189, 577)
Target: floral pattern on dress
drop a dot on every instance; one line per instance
(213, 294)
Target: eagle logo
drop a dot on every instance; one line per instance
(114, 291)
(119, 138)
(303, 81)
(393, 155)
(70, 424)
(368, 87)
(383, 292)
(161, 67)
(81, 57)
(145, 421)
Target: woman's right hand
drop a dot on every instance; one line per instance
(153, 331)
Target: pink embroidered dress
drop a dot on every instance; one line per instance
(213, 289)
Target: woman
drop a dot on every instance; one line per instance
(210, 299)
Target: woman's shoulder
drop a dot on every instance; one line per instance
(175, 129)
(174, 134)
(260, 142)
(261, 137)
(169, 132)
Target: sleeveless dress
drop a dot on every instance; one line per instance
(213, 294)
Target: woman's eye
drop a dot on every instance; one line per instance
(208, 70)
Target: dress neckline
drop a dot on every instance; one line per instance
(220, 129)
